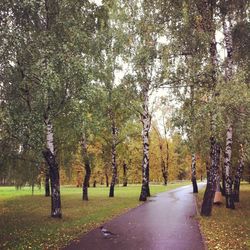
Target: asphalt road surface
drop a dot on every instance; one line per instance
(164, 222)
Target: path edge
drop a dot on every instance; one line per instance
(199, 225)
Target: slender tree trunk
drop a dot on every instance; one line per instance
(238, 176)
(107, 179)
(32, 187)
(193, 170)
(223, 183)
(193, 164)
(147, 185)
(49, 155)
(167, 165)
(163, 165)
(227, 166)
(164, 158)
(47, 189)
(223, 192)
(114, 164)
(114, 173)
(79, 178)
(125, 178)
(206, 209)
(164, 172)
(227, 30)
(87, 169)
(145, 192)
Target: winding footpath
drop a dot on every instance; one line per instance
(164, 222)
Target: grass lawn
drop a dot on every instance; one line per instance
(228, 229)
(25, 222)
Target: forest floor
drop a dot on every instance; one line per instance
(25, 222)
(226, 228)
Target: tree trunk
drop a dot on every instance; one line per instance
(107, 179)
(79, 179)
(55, 184)
(114, 172)
(223, 183)
(193, 169)
(114, 165)
(125, 178)
(164, 173)
(206, 209)
(227, 167)
(87, 169)
(223, 190)
(209, 26)
(164, 158)
(167, 166)
(32, 187)
(238, 176)
(147, 186)
(50, 158)
(145, 118)
(47, 189)
(163, 164)
(227, 30)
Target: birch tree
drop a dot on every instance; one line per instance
(230, 12)
(227, 30)
(144, 70)
(206, 9)
(50, 68)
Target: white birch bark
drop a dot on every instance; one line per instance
(228, 150)
(49, 136)
(227, 167)
(227, 30)
(113, 153)
(49, 155)
(208, 198)
(145, 119)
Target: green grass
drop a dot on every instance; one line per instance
(226, 228)
(25, 222)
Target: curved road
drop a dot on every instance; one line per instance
(164, 222)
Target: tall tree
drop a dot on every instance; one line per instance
(145, 62)
(207, 14)
(227, 30)
(49, 68)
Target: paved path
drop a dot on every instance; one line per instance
(164, 222)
